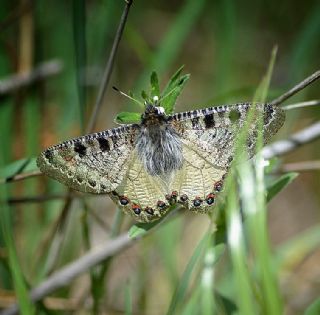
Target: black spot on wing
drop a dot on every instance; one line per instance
(49, 155)
(103, 144)
(80, 149)
(209, 121)
(195, 122)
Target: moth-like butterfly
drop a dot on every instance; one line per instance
(164, 159)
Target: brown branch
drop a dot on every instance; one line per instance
(36, 199)
(301, 105)
(109, 67)
(302, 137)
(20, 176)
(301, 166)
(17, 81)
(315, 76)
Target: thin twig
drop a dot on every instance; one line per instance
(35, 199)
(301, 105)
(20, 176)
(315, 76)
(16, 81)
(301, 166)
(282, 147)
(109, 67)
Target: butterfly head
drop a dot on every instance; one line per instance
(154, 113)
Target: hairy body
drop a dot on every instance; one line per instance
(158, 145)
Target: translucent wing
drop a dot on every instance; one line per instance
(147, 198)
(212, 131)
(95, 163)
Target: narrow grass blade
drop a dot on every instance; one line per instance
(192, 305)
(279, 184)
(19, 167)
(314, 308)
(181, 290)
(207, 284)
(238, 253)
(224, 305)
(20, 286)
(304, 44)
(79, 35)
(255, 207)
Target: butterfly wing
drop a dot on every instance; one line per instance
(147, 198)
(208, 138)
(95, 163)
(212, 131)
(140, 194)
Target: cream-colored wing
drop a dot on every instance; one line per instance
(141, 195)
(94, 163)
(214, 130)
(147, 198)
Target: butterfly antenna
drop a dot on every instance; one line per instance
(128, 96)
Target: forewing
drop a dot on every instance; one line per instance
(95, 163)
(212, 131)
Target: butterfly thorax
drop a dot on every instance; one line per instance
(158, 145)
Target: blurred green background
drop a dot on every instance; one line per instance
(225, 46)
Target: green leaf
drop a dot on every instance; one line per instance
(140, 229)
(173, 81)
(314, 308)
(144, 95)
(128, 118)
(224, 304)
(154, 81)
(273, 164)
(280, 184)
(169, 99)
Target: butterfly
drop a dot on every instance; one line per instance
(165, 159)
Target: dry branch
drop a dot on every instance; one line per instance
(17, 81)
